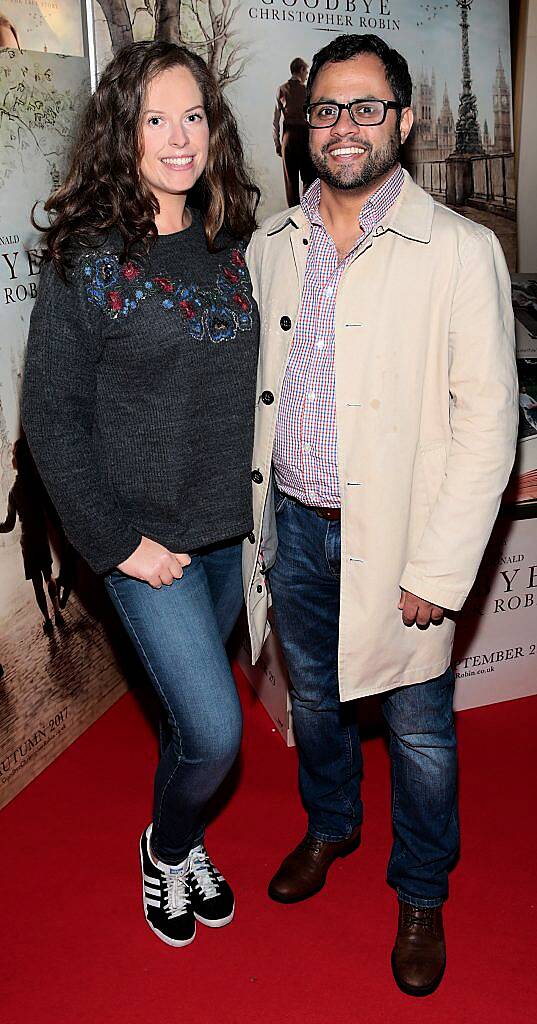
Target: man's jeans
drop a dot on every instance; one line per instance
(305, 590)
(179, 632)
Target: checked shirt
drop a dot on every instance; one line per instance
(305, 446)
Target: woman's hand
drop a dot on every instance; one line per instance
(154, 564)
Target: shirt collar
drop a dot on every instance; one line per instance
(411, 215)
(310, 202)
(373, 210)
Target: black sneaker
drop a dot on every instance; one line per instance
(212, 898)
(167, 899)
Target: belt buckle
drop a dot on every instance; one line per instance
(330, 514)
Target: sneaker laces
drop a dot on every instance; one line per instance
(177, 892)
(204, 872)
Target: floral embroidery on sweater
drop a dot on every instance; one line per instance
(216, 312)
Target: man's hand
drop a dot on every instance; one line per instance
(417, 610)
(154, 564)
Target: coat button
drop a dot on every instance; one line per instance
(257, 477)
(285, 323)
(267, 397)
(259, 588)
(251, 537)
(304, 241)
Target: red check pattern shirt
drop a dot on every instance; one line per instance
(305, 445)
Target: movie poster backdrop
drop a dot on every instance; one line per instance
(461, 148)
(54, 682)
(58, 671)
(460, 151)
(45, 26)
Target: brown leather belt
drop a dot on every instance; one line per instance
(332, 514)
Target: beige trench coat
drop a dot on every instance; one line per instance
(426, 395)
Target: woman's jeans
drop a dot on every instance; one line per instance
(179, 632)
(305, 591)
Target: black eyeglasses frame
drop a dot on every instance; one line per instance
(387, 104)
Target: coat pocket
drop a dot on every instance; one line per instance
(279, 502)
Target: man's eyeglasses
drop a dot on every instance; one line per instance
(362, 112)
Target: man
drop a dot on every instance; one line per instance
(389, 429)
(293, 146)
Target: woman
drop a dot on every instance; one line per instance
(138, 404)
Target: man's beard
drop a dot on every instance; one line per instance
(373, 166)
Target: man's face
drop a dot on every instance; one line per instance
(348, 156)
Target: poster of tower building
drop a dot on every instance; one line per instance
(435, 136)
(461, 148)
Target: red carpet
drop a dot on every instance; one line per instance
(76, 948)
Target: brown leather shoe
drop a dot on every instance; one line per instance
(419, 954)
(303, 872)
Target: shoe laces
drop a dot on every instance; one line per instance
(422, 918)
(204, 872)
(310, 842)
(177, 892)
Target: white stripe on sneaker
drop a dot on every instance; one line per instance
(167, 897)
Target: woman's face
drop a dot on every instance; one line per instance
(175, 133)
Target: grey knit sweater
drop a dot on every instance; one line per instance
(139, 394)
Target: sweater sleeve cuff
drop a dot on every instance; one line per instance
(107, 554)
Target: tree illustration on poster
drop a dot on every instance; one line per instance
(205, 26)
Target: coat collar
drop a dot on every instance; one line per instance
(410, 216)
(412, 213)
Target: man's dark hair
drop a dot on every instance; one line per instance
(345, 47)
(297, 65)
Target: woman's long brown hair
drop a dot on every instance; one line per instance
(104, 188)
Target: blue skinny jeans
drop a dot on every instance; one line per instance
(180, 633)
